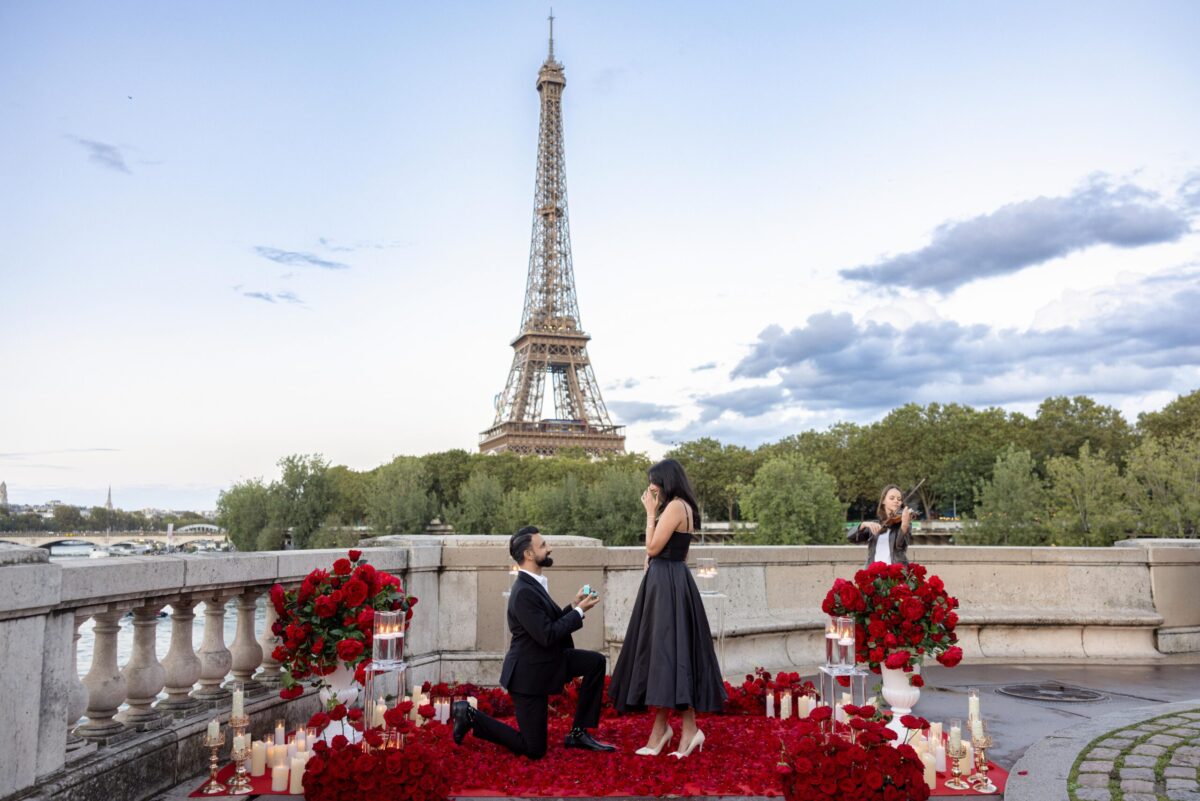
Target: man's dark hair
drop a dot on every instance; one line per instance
(520, 542)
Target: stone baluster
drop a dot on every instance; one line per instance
(77, 694)
(104, 682)
(270, 675)
(144, 676)
(181, 663)
(215, 658)
(247, 653)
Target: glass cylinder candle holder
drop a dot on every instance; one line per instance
(706, 575)
(831, 638)
(845, 642)
(972, 704)
(387, 645)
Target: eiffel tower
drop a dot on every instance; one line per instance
(552, 341)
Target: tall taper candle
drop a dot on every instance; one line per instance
(239, 703)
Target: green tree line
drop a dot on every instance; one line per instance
(1076, 472)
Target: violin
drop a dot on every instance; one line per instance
(897, 519)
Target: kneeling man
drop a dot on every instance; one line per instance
(540, 660)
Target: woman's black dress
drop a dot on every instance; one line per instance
(667, 659)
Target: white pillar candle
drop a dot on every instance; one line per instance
(846, 699)
(276, 754)
(291, 752)
(967, 763)
(296, 785)
(239, 707)
(279, 779)
(872, 701)
(770, 703)
(258, 758)
(280, 733)
(301, 740)
(955, 738)
(935, 733)
(838, 714)
(785, 706)
(930, 771)
(380, 709)
(973, 707)
(976, 729)
(239, 742)
(802, 706)
(939, 758)
(214, 730)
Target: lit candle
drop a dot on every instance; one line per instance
(976, 729)
(935, 733)
(973, 704)
(955, 736)
(770, 703)
(239, 742)
(291, 752)
(214, 730)
(258, 758)
(785, 706)
(967, 764)
(839, 714)
(276, 755)
(939, 758)
(296, 785)
(930, 771)
(280, 733)
(279, 779)
(802, 708)
(239, 707)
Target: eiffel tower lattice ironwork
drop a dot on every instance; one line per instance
(552, 342)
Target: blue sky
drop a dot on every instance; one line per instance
(235, 231)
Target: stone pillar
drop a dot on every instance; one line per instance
(78, 694)
(270, 675)
(247, 653)
(181, 663)
(144, 676)
(104, 682)
(215, 659)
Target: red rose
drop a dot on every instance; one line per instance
(426, 711)
(916, 680)
(365, 619)
(355, 555)
(277, 598)
(356, 592)
(348, 650)
(912, 608)
(318, 721)
(951, 656)
(290, 693)
(338, 712)
(897, 660)
(342, 567)
(325, 606)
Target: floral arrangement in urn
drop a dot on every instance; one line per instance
(902, 613)
(326, 623)
(815, 766)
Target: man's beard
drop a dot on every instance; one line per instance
(545, 561)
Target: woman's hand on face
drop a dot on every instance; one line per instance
(650, 500)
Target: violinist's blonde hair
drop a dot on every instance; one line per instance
(879, 510)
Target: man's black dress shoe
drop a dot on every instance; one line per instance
(579, 738)
(464, 720)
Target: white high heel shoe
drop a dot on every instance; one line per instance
(697, 742)
(666, 738)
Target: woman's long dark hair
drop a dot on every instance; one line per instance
(669, 475)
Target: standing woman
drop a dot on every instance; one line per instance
(887, 543)
(667, 660)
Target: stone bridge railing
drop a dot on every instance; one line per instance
(128, 731)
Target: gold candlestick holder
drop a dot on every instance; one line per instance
(955, 755)
(212, 786)
(240, 783)
(980, 782)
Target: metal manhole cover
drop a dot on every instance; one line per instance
(1051, 691)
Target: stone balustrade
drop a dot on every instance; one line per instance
(131, 730)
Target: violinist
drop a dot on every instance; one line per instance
(887, 538)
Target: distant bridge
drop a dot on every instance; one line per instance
(47, 539)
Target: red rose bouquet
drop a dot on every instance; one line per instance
(901, 614)
(750, 697)
(817, 766)
(327, 621)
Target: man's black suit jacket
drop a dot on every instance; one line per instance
(541, 632)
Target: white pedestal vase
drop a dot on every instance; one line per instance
(901, 697)
(339, 687)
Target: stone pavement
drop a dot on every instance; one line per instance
(1154, 759)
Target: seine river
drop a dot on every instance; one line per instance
(163, 634)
